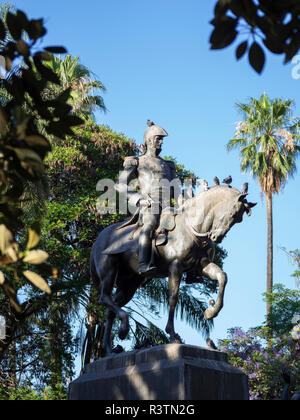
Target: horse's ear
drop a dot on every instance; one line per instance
(251, 205)
(242, 197)
(248, 207)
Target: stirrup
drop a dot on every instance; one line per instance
(147, 270)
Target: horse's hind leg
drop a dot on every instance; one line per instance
(110, 317)
(122, 297)
(109, 271)
(175, 274)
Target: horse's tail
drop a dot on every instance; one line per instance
(95, 279)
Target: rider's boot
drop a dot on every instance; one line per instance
(146, 266)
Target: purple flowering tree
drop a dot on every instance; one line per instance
(264, 355)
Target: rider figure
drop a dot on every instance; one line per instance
(154, 175)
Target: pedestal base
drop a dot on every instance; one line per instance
(167, 372)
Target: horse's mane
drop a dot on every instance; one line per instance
(198, 208)
(219, 192)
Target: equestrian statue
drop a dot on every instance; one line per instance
(161, 239)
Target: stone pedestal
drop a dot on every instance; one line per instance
(167, 372)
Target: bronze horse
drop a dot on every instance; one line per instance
(189, 246)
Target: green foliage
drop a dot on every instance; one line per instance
(22, 146)
(72, 222)
(294, 257)
(265, 353)
(27, 393)
(268, 141)
(84, 98)
(285, 304)
(269, 145)
(273, 22)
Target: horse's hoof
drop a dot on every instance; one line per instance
(117, 350)
(123, 332)
(176, 339)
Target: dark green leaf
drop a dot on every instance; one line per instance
(73, 120)
(61, 109)
(36, 140)
(224, 34)
(220, 9)
(31, 85)
(14, 26)
(59, 129)
(16, 89)
(56, 50)
(64, 96)
(292, 48)
(274, 45)
(241, 49)
(35, 29)
(256, 57)
(43, 56)
(22, 18)
(46, 72)
(22, 48)
(2, 31)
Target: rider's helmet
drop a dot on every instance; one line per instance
(152, 131)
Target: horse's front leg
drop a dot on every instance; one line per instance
(214, 272)
(175, 275)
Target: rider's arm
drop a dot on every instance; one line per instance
(127, 175)
(175, 192)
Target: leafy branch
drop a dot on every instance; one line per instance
(23, 149)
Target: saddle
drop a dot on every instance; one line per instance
(160, 237)
(167, 224)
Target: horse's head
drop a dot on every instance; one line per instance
(228, 212)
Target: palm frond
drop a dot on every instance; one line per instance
(268, 140)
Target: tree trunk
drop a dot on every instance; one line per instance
(269, 250)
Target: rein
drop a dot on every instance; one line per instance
(198, 234)
(204, 237)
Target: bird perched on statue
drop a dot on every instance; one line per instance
(212, 302)
(211, 344)
(227, 180)
(245, 188)
(216, 180)
(150, 123)
(205, 185)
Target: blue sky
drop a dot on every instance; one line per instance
(155, 62)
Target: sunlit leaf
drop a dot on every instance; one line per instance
(36, 257)
(34, 236)
(37, 281)
(6, 239)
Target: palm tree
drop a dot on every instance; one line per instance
(268, 146)
(79, 79)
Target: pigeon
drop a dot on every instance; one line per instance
(245, 188)
(205, 185)
(211, 344)
(216, 180)
(150, 123)
(227, 180)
